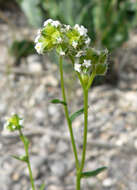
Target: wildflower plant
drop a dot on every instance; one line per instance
(15, 123)
(72, 43)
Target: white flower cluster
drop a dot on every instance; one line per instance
(39, 45)
(75, 36)
(81, 29)
(56, 35)
(78, 66)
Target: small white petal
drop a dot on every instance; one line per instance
(39, 48)
(37, 38)
(77, 67)
(21, 122)
(55, 23)
(59, 40)
(62, 53)
(39, 32)
(81, 29)
(76, 26)
(47, 22)
(87, 63)
(63, 30)
(74, 44)
(87, 41)
(14, 127)
(68, 27)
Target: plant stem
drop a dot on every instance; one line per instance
(85, 92)
(67, 114)
(77, 182)
(28, 160)
(85, 129)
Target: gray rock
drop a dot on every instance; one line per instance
(55, 187)
(59, 168)
(37, 163)
(62, 147)
(34, 64)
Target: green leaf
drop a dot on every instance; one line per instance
(22, 48)
(42, 187)
(21, 158)
(32, 10)
(101, 69)
(57, 101)
(93, 173)
(76, 114)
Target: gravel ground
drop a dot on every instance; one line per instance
(112, 137)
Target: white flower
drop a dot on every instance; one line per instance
(80, 53)
(74, 44)
(47, 22)
(81, 29)
(37, 38)
(87, 41)
(62, 53)
(87, 63)
(59, 40)
(14, 127)
(39, 32)
(63, 30)
(39, 47)
(77, 67)
(68, 27)
(55, 23)
(21, 121)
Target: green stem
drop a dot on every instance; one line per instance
(78, 182)
(85, 92)
(67, 114)
(85, 129)
(28, 160)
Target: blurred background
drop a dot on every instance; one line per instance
(29, 81)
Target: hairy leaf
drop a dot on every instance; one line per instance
(76, 114)
(93, 173)
(57, 101)
(21, 158)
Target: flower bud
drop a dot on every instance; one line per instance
(14, 123)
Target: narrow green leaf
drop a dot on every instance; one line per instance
(57, 101)
(93, 173)
(76, 114)
(21, 158)
(42, 187)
